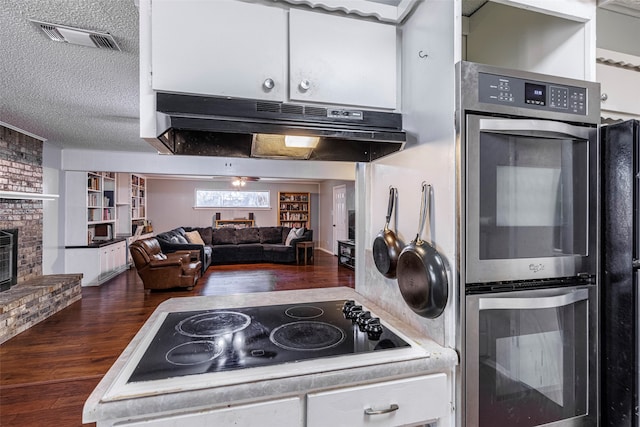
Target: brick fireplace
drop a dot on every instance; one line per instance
(8, 258)
(21, 170)
(34, 296)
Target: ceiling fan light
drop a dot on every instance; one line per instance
(239, 182)
(301, 141)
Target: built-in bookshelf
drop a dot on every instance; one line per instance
(294, 209)
(92, 208)
(101, 187)
(131, 202)
(138, 197)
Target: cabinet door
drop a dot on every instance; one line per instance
(86, 261)
(339, 60)
(418, 401)
(622, 89)
(121, 257)
(221, 47)
(284, 412)
(105, 260)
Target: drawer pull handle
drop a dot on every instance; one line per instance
(371, 411)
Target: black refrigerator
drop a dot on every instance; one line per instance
(620, 227)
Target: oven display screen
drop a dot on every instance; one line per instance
(535, 94)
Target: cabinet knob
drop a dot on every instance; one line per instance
(269, 84)
(604, 97)
(305, 85)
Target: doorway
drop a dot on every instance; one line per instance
(340, 230)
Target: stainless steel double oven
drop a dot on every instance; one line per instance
(528, 185)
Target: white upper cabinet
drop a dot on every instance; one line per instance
(247, 50)
(548, 37)
(341, 60)
(619, 77)
(221, 47)
(393, 11)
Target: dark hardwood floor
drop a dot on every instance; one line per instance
(49, 370)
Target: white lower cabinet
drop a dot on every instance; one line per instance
(406, 402)
(97, 265)
(414, 401)
(277, 413)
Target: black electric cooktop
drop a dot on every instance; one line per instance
(198, 342)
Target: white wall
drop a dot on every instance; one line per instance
(170, 203)
(151, 163)
(53, 210)
(428, 109)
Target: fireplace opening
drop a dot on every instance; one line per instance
(8, 258)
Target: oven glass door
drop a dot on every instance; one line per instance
(528, 184)
(527, 358)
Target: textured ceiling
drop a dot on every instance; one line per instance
(74, 96)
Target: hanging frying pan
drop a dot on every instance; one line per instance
(386, 246)
(422, 275)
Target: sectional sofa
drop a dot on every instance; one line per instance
(236, 245)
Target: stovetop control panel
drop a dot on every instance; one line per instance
(523, 93)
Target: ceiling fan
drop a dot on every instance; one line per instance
(241, 181)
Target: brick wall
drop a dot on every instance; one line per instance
(21, 170)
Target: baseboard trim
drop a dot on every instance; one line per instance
(326, 251)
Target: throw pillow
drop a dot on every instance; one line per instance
(194, 237)
(290, 237)
(300, 232)
(182, 239)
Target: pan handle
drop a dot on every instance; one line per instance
(424, 209)
(392, 197)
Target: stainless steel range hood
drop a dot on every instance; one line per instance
(225, 127)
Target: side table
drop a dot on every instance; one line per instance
(305, 246)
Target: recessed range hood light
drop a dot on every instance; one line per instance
(301, 141)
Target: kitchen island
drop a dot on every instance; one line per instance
(402, 386)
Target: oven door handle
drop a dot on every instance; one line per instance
(497, 303)
(534, 128)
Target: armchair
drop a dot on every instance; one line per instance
(163, 271)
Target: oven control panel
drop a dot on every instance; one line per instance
(523, 93)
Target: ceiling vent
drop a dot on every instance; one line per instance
(63, 33)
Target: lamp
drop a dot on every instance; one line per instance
(301, 141)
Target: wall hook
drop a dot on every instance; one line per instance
(422, 55)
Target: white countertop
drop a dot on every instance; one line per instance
(114, 399)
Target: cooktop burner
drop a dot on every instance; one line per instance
(306, 336)
(197, 342)
(211, 324)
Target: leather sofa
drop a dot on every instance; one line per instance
(163, 271)
(228, 245)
